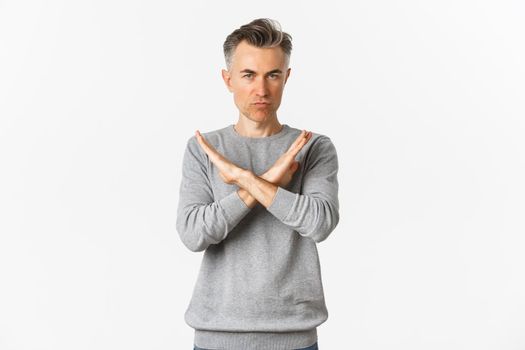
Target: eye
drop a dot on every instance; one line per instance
(274, 75)
(250, 74)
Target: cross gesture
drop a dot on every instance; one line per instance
(280, 173)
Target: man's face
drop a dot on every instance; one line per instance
(257, 75)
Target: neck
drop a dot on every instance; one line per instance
(249, 128)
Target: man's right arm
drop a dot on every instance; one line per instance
(247, 198)
(202, 220)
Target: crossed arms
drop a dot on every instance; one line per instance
(203, 220)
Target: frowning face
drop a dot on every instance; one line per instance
(256, 78)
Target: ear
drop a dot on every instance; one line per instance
(287, 75)
(227, 79)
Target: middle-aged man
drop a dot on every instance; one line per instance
(257, 197)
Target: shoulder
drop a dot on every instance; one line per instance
(319, 151)
(211, 136)
(318, 140)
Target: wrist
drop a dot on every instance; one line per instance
(247, 198)
(266, 176)
(243, 178)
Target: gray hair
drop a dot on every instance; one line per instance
(261, 32)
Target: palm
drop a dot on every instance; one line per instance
(280, 173)
(227, 170)
(283, 169)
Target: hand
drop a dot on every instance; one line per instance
(282, 171)
(228, 171)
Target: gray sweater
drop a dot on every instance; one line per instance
(259, 284)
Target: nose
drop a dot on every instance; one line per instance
(261, 88)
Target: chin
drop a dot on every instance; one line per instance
(257, 115)
(260, 116)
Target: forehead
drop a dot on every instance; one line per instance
(252, 57)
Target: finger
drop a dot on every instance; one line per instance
(214, 156)
(205, 145)
(306, 137)
(301, 143)
(297, 143)
(297, 140)
(201, 139)
(217, 158)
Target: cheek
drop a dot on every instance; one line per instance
(241, 100)
(242, 97)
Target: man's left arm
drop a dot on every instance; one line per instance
(313, 213)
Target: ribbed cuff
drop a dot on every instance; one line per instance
(282, 203)
(234, 207)
(255, 340)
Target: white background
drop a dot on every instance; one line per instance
(424, 101)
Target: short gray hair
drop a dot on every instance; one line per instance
(261, 32)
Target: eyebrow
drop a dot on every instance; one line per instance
(270, 72)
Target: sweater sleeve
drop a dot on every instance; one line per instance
(201, 219)
(313, 213)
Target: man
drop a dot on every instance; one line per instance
(257, 197)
